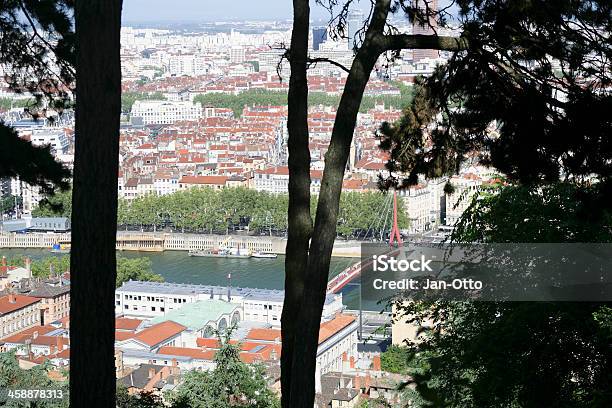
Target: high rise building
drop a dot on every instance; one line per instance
(355, 22)
(237, 54)
(319, 35)
(425, 29)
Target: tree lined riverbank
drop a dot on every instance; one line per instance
(207, 210)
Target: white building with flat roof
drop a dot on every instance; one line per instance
(153, 299)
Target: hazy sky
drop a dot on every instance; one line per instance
(206, 10)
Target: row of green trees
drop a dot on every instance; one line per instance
(210, 210)
(8, 103)
(9, 202)
(260, 97)
(127, 268)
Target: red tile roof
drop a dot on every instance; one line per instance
(207, 343)
(124, 323)
(123, 335)
(188, 352)
(160, 332)
(333, 326)
(264, 335)
(28, 333)
(19, 302)
(211, 180)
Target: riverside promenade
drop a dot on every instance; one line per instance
(162, 241)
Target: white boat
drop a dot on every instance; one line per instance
(263, 255)
(222, 253)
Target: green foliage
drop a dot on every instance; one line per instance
(127, 268)
(395, 359)
(560, 212)
(232, 383)
(45, 267)
(35, 33)
(33, 165)
(8, 203)
(511, 354)
(128, 99)
(212, 210)
(135, 269)
(56, 205)
(141, 400)
(258, 97)
(13, 377)
(503, 101)
(8, 103)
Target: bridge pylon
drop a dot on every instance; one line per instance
(395, 233)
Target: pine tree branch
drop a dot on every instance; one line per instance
(422, 41)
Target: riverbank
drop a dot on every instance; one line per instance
(163, 241)
(178, 267)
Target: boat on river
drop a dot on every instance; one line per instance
(221, 253)
(264, 255)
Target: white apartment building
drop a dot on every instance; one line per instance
(164, 184)
(17, 313)
(417, 204)
(273, 180)
(165, 112)
(237, 54)
(153, 299)
(145, 187)
(55, 138)
(187, 64)
(31, 196)
(456, 203)
(424, 204)
(337, 338)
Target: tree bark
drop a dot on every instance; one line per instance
(299, 227)
(314, 292)
(94, 204)
(313, 283)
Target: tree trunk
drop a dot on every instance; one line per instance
(307, 264)
(299, 223)
(94, 204)
(315, 285)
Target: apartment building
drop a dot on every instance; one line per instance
(273, 180)
(54, 301)
(165, 112)
(17, 313)
(465, 186)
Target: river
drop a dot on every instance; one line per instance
(177, 266)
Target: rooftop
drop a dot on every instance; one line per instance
(19, 302)
(157, 333)
(196, 315)
(48, 291)
(169, 288)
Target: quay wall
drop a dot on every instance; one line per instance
(159, 242)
